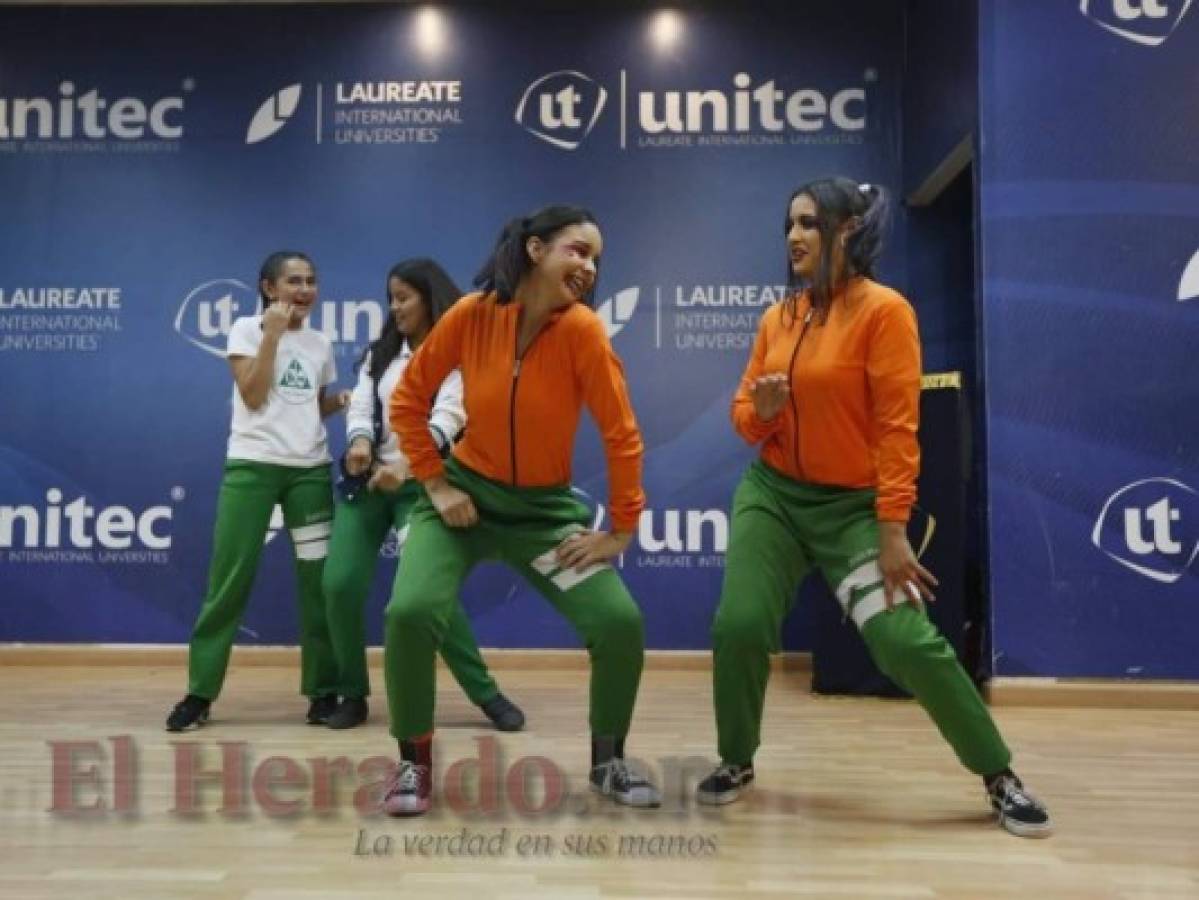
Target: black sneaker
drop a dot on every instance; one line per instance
(350, 713)
(1019, 811)
(616, 780)
(504, 714)
(725, 784)
(189, 711)
(320, 709)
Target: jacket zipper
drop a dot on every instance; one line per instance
(516, 359)
(516, 362)
(512, 416)
(791, 374)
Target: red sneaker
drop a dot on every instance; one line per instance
(408, 791)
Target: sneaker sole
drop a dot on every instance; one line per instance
(1025, 830)
(403, 812)
(616, 798)
(508, 726)
(721, 799)
(200, 720)
(342, 726)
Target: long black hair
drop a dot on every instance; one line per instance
(437, 292)
(509, 261)
(837, 201)
(272, 268)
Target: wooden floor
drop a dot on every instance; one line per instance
(855, 798)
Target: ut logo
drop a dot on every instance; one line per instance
(561, 108)
(1134, 9)
(207, 313)
(1152, 527)
(1162, 515)
(1147, 22)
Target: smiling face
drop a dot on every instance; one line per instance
(565, 265)
(295, 284)
(408, 309)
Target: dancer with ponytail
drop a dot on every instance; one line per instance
(532, 354)
(832, 393)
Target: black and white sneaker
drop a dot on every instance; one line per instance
(725, 784)
(616, 780)
(189, 711)
(320, 709)
(1019, 811)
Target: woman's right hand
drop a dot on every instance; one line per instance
(358, 456)
(770, 393)
(455, 507)
(276, 318)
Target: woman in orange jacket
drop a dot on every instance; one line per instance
(532, 353)
(832, 393)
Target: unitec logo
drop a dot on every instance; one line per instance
(76, 115)
(1147, 22)
(561, 108)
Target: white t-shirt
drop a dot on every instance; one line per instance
(286, 430)
(445, 421)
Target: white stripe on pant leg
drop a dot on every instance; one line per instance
(863, 576)
(547, 564)
(568, 578)
(871, 605)
(310, 550)
(310, 532)
(312, 541)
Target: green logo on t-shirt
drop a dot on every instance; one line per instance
(295, 377)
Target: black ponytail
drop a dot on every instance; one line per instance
(838, 200)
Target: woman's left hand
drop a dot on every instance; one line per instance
(903, 576)
(586, 548)
(389, 478)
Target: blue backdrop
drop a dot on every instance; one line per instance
(148, 157)
(1090, 219)
(148, 161)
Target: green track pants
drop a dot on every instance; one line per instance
(781, 529)
(359, 529)
(521, 527)
(249, 493)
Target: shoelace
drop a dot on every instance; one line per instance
(406, 779)
(619, 773)
(1010, 790)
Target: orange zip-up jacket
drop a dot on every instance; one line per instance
(854, 408)
(522, 414)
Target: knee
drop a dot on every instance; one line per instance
(902, 639)
(742, 629)
(407, 613)
(620, 625)
(337, 585)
